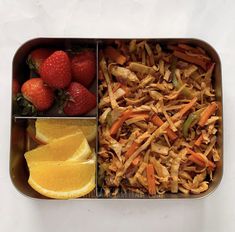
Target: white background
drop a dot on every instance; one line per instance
(213, 21)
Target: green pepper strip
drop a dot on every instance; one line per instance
(177, 84)
(192, 118)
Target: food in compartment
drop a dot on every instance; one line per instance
(15, 87)
(62, 166)
(36, 58)
(84, 67)
(80, 100)
(63, 180)
(59, 81)
(48, 130)
(70, 147)
(37, 93)
(158, 118)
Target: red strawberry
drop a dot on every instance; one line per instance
(80, 100)
(15, 87)
(56, 70)
(36, 92)
(37, 57)
(84, 67)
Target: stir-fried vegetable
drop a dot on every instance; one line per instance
(207, 113)
(151, 179)
(158, 122)
(115, 55)
(158, 119)
(200, 159)
(178, 83)
(134, 146)
(190, 59)
(193, 117)
(199, 140)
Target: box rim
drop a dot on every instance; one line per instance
(97, 40)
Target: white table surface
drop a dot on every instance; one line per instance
(213, 21)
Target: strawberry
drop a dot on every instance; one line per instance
(84, 67)
(15, 94)
(37, 57)
(56, 70)
(36, 92)
(15, 87)
(80, 100)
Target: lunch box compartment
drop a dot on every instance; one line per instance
(21, 72)
(21, 142)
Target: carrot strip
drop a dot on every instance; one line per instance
(175, 48)
(125, 115)
(196, 161)
(200, 160)
(134, 146)
(151, 179)
(115, 55)
(207, 113)
(158, 122)
(199, 140)
(187, 107)
(118, 123)
(190, 59)
(136, 160)
(144, 115)
(189, 48)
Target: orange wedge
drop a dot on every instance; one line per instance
(71, 147)
(63, 180)
(48, 130)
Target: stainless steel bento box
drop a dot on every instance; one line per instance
(20, 142)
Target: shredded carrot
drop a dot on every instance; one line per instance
(125, 115)
(202, 161)
(158, 122)
(118, 123)
(144, 115)
(136, 160)
(207, 113)
(115, 55)
(190, 59)
(199, 140)
(187, 107)
(196, 161)
(151, 179)
(134, 146)
(189, 48)
(175, 48)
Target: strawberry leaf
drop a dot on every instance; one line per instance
(25, 107)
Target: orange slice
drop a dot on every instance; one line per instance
(49, 129)
(71, 147)
(63, 180)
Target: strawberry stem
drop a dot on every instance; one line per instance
(25, 107)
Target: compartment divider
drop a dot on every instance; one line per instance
(97, 119)
(64, 117)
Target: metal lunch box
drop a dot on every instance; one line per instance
(21, 142)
